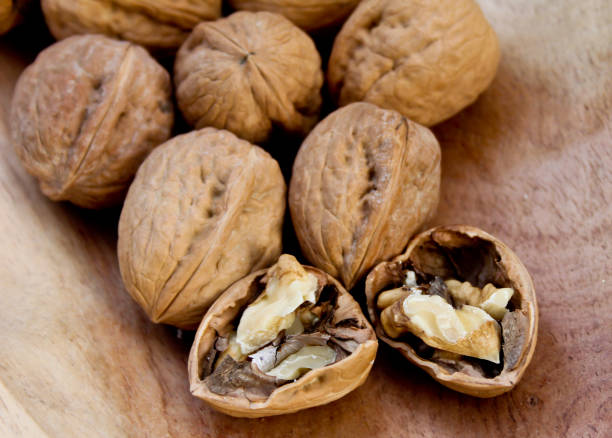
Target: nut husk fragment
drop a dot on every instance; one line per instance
(159, 25)
(242, 390)
(424, 59)
(364, 180)
(310, 15)
(86, 113)
(467, 254)
(205, 209)
(248, 73)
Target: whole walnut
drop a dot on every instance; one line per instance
(247, 73)
(425, 59)
(86, 113)
(468, 304)
(310, 15)
(160, 25)
(364, 181)
(205, 209)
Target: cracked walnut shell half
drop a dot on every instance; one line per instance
(248, 73)
(364, 181)
(86, 113)
(460, 305)
(205, 209)
(310, 15)
(159, 25)
(425, 59)
(279, 341)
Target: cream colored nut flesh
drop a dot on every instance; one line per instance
(493, 300)
(308, 358)
(280, 340)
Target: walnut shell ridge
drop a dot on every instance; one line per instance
(364, 181)
(425, 59)
(205, 209)
(247, 73)
(505, 267)
(309, 15)
(315, 388)
(86, 113)
(159, 25)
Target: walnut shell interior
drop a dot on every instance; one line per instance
(467, 254)
(236, 389)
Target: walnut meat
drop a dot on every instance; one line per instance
(247, 73)
(363, 182)
(280, 340)
(460, 305)
(205, 209)
(86, 113)
(308, 14)
(427, 60)
(160, 25)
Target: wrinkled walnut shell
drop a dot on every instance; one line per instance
(426, 60)
(86, 113)
(159, 25)
(502, 268)
(316, 387)
(205, 209)
(248, 73)
(364, 181)
(308, 14)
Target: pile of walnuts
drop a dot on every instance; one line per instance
(200, 232)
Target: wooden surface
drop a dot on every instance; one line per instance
(530, 162)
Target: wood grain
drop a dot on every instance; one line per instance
(530, 162)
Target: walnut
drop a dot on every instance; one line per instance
(247, 73)
(11, 12)
(363, 182)
(280, 340)
(427, 60)
(471, 318)
(310, 15)
(159, 25)
(205, 209)
(86, 113)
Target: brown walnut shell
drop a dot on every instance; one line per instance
(467, 254)
(205, 209)
(159, 25)
(316, 387)
(247, 73)
(86, 113)
(364, 181)
(310, 15)
(11, 12)
(425, 59)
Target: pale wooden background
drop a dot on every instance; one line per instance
(530, 162)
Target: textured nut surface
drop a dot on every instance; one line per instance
(155, 24)
(342, 326)
(307, 14)
(205, 209)
(425, 59)
(86, 113)
(248, 72)
(469, 254)
(364, 180)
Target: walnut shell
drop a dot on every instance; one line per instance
(86, 113)
(159, 25)
(205, 209)
(364, 181)
(469, 254)
(248, 72)
(11, 12)
(310, 15)
(316, 387)
(427, 60)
